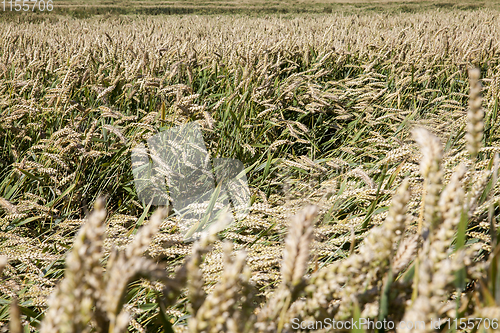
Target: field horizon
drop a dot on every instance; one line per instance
(88, 8)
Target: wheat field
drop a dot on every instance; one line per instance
(370, 143)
